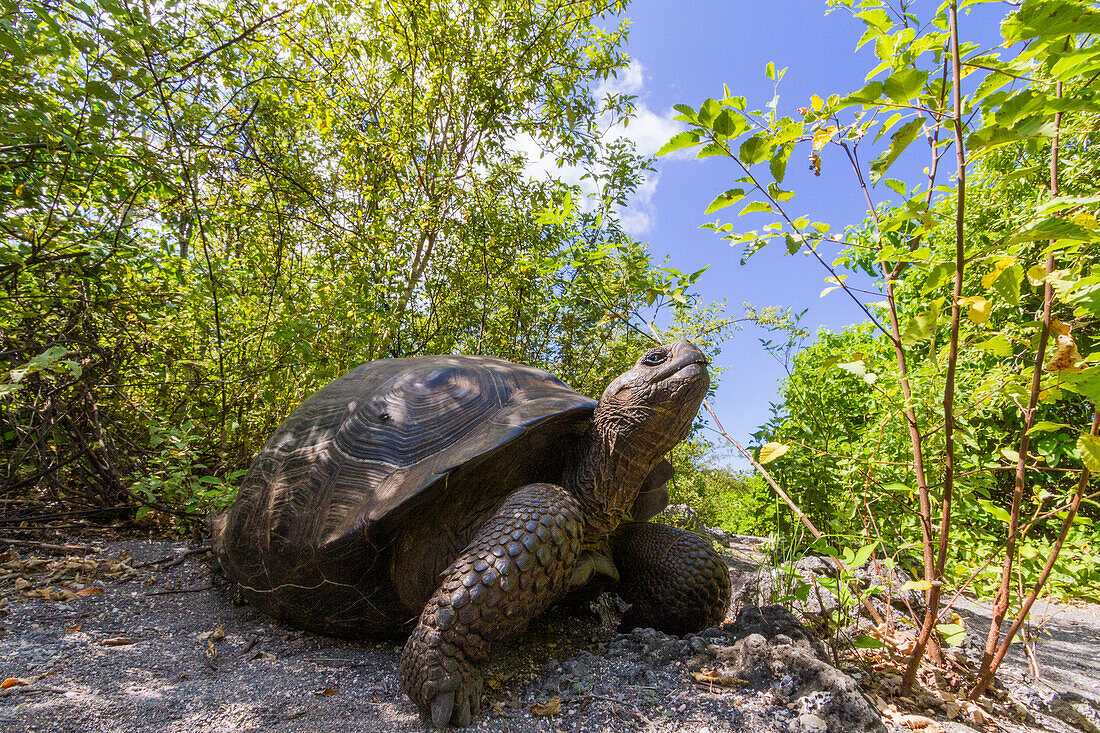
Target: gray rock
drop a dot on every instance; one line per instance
(680, 515)
(1078, 711)
(809, 723)
(770, 647)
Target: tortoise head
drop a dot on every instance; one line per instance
(642, 414)
(649, 409)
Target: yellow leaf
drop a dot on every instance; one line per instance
(1084, 219)
(12, 682)
(816, 102)
(1036, 274)
(545, 709)
(327, 692)
(1066, 357)
(1002, 264)
(823, 136)
(771, 451)
(978, 312)
(1089, 448)
(1058, 328)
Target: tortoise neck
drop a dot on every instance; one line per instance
(607, 471)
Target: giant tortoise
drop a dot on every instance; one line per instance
(460, 496)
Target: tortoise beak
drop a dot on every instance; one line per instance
(687, 362)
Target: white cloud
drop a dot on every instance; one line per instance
(648, 130)
(639, 215)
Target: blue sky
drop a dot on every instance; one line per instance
(684, 53)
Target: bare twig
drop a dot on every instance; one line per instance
(789, 502)
(171, 561)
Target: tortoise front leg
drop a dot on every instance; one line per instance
(673, 580)
(519, 563)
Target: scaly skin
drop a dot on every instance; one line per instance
(518, 564)
(674, 580)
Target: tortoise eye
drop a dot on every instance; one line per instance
(654, 358)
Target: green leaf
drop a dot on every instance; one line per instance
(920, 326)
(953, 634)
(709, 112)
(1050, 20)
(1089, 448)
(868, 95)
(867, 642)
(679, 141)
(1044, 426)
(1007, 284)
(713, 149)
(938, 274)
(778, 164)
(725, 123)
(725, 199)
(904, 85)
(1085, 383)
(755, 207)
(994, 135)
(998, 345)
(857, 368)
(995, 511)
(900, 140)
(1053, 228)
(687, 114)
(862, 554)
(770, 451)
(753, 150)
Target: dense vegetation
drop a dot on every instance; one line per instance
(211, 209)
(950, 430)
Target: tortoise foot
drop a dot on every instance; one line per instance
(519, 563)
(673, 580)
(439, 678)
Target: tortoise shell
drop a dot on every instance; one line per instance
(384, 438)
(396, 447)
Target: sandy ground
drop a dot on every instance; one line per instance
(167, 650)
(95, 646)
(1066, 645)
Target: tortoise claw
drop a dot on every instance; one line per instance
(462, 715)
(442, 706)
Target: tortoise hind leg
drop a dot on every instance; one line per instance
(519, 563)
(674, 580)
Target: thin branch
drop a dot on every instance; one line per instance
(789, 502)
(934, 573)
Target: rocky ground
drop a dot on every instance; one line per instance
(141, 636)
